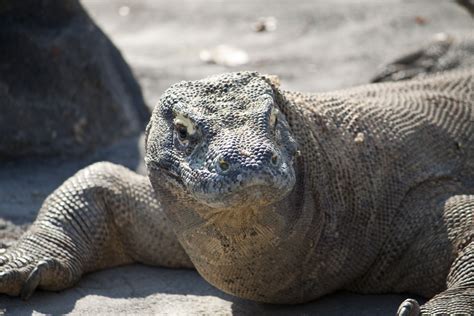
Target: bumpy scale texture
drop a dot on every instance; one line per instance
(278, 196)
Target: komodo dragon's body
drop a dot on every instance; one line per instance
(278, 196)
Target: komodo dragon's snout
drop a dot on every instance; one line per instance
(232, 152)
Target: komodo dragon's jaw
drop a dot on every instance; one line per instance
(222, 142)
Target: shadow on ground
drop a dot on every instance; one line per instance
(139, 289)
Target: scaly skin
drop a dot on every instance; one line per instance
(103, 216)
(280, 197)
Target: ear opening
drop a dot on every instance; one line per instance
(286, 107)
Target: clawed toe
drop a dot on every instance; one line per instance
(20, 276)
(24, 275)
(32, 281)
(3, 258)
(10, 281)
(38, 274)
(409, 307)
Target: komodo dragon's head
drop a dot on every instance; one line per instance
(221, 142)
(221, 158)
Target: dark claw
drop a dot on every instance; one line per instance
(409, 307)
(33, 281)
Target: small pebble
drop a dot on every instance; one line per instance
(420, 20)
(124, 10)
(265, 24)
(224, 55)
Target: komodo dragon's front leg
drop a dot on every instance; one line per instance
(458, 294)
(96, 219)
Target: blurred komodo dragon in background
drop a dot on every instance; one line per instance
(279, 196)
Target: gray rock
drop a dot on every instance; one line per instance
(64, 87)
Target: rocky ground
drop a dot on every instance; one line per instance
(312, 46)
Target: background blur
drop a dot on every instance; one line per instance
(314, 45)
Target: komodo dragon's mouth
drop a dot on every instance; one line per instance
(258, 189)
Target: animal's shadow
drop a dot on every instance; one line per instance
(139, 289)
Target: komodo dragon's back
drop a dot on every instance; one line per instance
(426, 125)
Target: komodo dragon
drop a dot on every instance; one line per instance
(278, 196)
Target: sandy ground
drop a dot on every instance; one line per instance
(317, 46)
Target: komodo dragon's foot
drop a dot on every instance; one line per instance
(458, 301)
(444, 52)
(25, 267)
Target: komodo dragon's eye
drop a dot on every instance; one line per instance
(182, 132)
(273, 118)
(184, 128)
